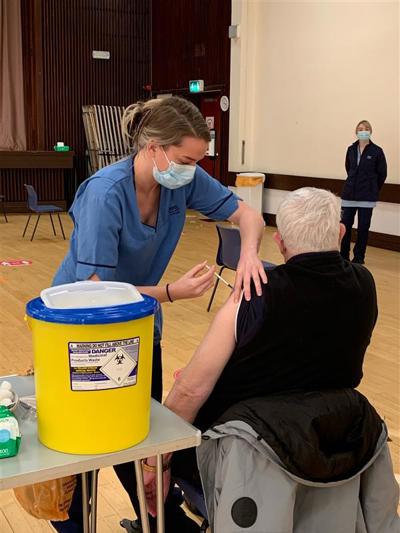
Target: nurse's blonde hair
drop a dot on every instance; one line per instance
(365, 123)
(164, 120)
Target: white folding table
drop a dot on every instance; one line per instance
(35, 462)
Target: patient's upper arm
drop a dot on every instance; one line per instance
(214, 351)
(250, 317)
(199, 377)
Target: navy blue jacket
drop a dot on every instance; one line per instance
(364, 181)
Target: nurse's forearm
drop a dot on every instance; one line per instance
(250, 268)
(191, 285)
(251, 225)
(158, 292)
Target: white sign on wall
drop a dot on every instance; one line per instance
(100, 54)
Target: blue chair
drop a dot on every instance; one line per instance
(194, 499)
(228, 254)
(39, 210)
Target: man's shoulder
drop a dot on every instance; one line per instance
(288, 274)
(279, 273)
(362, 273)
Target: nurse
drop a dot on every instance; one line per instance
(366, 173)
(128, 218)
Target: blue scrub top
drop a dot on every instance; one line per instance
(109, 238)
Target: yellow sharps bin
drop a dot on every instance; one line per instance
(93, 345)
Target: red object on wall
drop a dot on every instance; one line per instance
(209, 107)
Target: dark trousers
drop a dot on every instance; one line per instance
(176, 521)
(364, 215)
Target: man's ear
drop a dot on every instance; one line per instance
(342, 231)
(279, 241)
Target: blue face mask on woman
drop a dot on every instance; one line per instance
(363, 135)
(175, 175)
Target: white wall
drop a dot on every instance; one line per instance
(302, 75)
(385, 218)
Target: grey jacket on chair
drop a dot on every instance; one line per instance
(300, 462)
(247, 488)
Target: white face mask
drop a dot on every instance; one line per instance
(363, 135)
(175, 175)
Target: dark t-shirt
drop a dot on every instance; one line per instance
(309, 330)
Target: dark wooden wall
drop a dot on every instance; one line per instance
(49, 185)
(61, 75)
(155, 46)
(190, 41)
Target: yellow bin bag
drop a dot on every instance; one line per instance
(249, 179)
(92, 368)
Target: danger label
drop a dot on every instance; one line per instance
(103, 365)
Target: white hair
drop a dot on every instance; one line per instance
(308, 220)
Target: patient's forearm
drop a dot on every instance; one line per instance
(196, 381)
(185, 403)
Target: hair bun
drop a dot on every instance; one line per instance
(131, 119)
(136, 112)
(166, 121)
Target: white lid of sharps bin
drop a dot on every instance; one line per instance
(89, 294)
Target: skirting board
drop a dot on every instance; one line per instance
(390, 191)
(20, 207)
(379, 240)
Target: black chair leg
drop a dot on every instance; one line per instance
(214, 291)
(52, 223)
(26, 225)
(4, 211)
(61, 226)
(34, 229)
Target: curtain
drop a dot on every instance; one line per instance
(12, 116)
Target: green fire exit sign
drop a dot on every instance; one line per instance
(196, 86)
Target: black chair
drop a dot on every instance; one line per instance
(228, 254)
(2, 200)
(39, 210)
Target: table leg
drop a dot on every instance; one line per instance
(85, 502)
(142, 497)
(93, 512)
(160, 496)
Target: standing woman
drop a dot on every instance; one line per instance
(128, 218)
(366, 173)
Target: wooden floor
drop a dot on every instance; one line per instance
(185, 324)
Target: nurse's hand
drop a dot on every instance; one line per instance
(249, 268)
(150, 489)
(193, 283)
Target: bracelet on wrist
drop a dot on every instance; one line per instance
(153, 469)
(168, 294)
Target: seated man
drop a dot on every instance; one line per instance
(307, 332)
